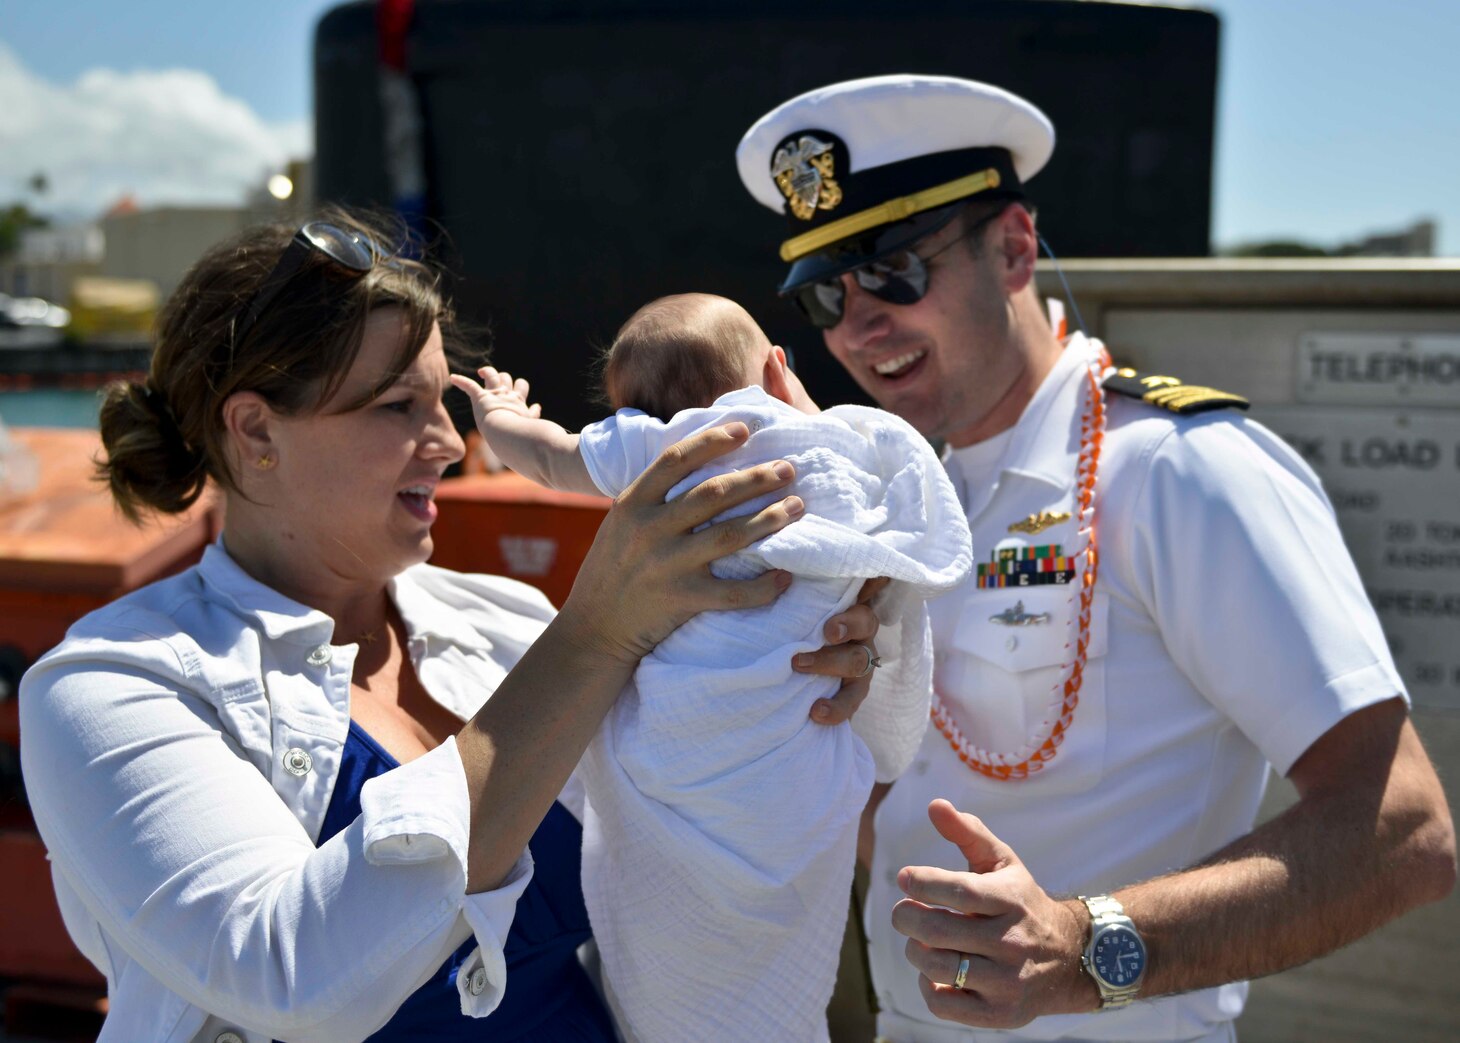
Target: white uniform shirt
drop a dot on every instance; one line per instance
(1229, 631)
(181, 747)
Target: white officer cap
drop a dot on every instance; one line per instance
(864, 167)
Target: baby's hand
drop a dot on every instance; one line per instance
(497, 391)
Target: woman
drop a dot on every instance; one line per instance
(277, 800)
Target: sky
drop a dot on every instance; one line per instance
(1335, 118)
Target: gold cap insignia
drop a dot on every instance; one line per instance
(804, 170)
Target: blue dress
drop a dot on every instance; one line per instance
(549, 997)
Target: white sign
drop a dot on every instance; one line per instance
(1402, 369)
(528, 555)
(1394, 479)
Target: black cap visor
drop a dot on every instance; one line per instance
(858, 250)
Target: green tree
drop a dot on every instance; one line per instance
(1277, 248)
(14, 220)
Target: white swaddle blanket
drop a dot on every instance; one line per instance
(720, 823)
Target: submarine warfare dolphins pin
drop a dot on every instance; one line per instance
(1017, 617)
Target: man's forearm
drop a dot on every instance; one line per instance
(1370, 838)
(866, 835)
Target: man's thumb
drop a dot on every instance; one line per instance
(984, 851)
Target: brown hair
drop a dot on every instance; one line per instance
(679, 352)
(165, 438)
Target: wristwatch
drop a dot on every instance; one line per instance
(1114, 956)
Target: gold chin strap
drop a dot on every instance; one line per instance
(892, 210)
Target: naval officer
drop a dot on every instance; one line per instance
(1164, 608)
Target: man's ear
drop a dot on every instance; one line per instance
(1018, 246)
(249, 420)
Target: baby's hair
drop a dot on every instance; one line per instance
(680, 352)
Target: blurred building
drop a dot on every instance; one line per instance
(1418, 240)
(159, 244)
(155, 245)
(49, 260)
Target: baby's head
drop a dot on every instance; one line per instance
(685, 351)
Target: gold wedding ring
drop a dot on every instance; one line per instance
(962, 975)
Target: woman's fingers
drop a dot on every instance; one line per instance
(735, 534)
(750, 593)
(648, 571)
(716, 495)
(713, 496)
(683, 458)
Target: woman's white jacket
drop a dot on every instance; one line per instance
(180, 748)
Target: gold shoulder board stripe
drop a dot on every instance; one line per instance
(1170, 393)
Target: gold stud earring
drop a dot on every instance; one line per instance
(265, 462)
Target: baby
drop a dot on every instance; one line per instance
(720, 823)
(675, 353)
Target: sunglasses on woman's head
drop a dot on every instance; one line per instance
(900, 277)
(346, 249)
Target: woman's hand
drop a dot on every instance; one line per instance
(848, 656)
(648, 571)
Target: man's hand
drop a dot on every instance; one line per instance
(848, 656)
(1023, 946)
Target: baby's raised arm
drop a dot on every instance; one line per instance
(533, 447)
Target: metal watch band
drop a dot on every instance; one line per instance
(1103, 905)
(1105, 910)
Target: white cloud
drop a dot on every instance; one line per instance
(165, 136)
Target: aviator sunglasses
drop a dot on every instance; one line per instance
(900, 277)
(348, 250)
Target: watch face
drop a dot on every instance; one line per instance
(1118, 956)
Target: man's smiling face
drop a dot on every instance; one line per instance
(944, 363)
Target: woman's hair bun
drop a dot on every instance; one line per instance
(148, 464)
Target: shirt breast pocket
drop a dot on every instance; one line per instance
(1013, 649)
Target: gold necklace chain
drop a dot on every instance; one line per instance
(1046, 740)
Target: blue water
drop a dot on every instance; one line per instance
(50, 407)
